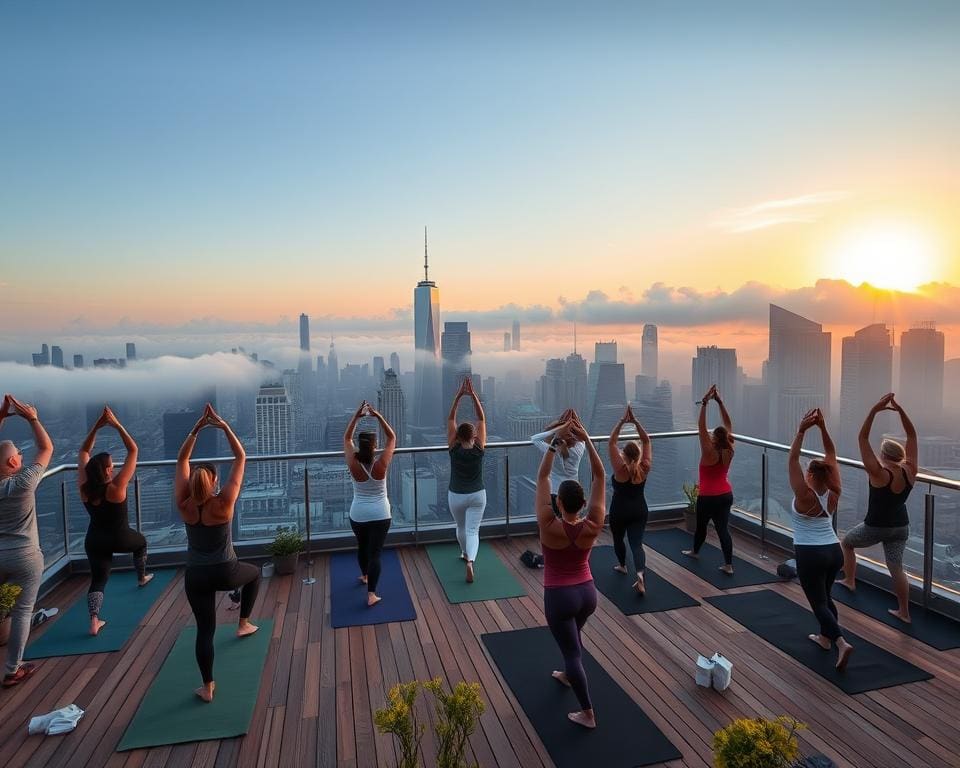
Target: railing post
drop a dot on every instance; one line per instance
(416, 503)
(763, 504)
(306, 507)
(929, 509)
(506, 494)
(136, 502)
(66, 524)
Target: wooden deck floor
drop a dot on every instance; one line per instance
(320, 685)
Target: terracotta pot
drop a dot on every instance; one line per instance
(284, 565)
(690, 520)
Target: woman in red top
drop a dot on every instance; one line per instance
(569, 596)
(715, 497)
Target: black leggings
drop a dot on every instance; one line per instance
(101, 545)
(716, 508)
(370, 539)
(633, 525)
(817, 569)
(202, 582)
(567, 610)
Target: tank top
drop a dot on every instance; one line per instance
(713, 479)
(570, 565)
(628, 496)
(370, 500)
(209, 544)
(886, 509)
(108, 515)
(466, 469)
(813, 531)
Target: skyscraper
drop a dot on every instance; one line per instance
(56, 357)
(395, 362)
(507, 342)
(866, 374)
(575, 383)
(551, 395)
(649, 355)
(131, 351)
(273, 432)
(42, 357)
(333, 376)
(427, 405)
(798, 370)
(304, 333)
(605, 352)
(78, 361)
(921, 375)
(378, 369)
(455, 352)
(392, 404)
(516, 335)
(293, 383)
(715, 365)
(606, 396)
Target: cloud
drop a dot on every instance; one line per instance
(804, 209)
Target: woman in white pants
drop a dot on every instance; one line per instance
(569, 450)
(467, 497)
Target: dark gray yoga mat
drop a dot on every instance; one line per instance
(617, 587)
(672, 541)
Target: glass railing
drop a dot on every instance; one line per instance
(279, 490)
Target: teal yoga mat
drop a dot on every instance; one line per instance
(125, 603)
(492, 578)
(172, 714)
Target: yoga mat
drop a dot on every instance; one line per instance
(931, 628)
(785, 624)
(671, 541)
(661, 595)
(624, 737)
(348, 595)
(171, 713)
(492, 579)
(125, 603)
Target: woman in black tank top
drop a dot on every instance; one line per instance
(628, 507)
(891, 478)
(104, 496)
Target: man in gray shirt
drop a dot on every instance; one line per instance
(21, 561)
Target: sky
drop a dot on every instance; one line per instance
(185, 173)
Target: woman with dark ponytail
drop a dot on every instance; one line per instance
(104, 495)
(628, 508)
(370, 509)
(715, 496)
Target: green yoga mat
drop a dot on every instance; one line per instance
(125, 603)
(492, 581)
(172, 714)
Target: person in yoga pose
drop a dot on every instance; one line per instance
(816, 493)
(467, 497)
(715, 496)
(628, 507)
(212, 565)
(370, 509)
(21, 561)
(569, 452)
(569, 595)
(891, 477)
(104, 496)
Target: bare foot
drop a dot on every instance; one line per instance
(689, 553)
(620, 568)
(897, 615)
(469, 571)
(727, 569)
(560, 677)
(639, 585)
(584, 717)
(205, 692)
(147, 578)
(463, 556)
(96, 625)
(246, 628)
(821, 641)
(845, 650)
(362, 579)
(373, 599)
(851, 585)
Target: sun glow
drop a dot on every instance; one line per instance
(888, 256)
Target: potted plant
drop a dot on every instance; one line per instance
(757, 743)
(8, 598)
(286, 549)
(691, 491)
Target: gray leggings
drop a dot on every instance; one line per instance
(894, 541)
(22, 566)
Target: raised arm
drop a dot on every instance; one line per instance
(386, 455)
(123, 478)
(646, 457)
(708, 454)
(86, 448)
(181, 476)
(231, 489)
(596, 505)
(869, 458)
(542, 504)
(348, 449)
(830, 454)
(798, 482)
(912, 447)
(613, 448)
(724, 416)
(452, 417)
(481, 424)
(542, 439)
(40, 437)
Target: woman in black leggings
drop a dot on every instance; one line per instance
(104, 495)
(212, 565)
(628, 508)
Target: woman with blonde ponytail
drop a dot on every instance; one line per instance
(212, 565)
(628, 508)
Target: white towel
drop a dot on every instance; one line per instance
(59, 721)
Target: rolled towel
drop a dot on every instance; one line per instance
(59, 721)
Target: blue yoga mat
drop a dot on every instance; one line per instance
(125, 603)
(348, 596)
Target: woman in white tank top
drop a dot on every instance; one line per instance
(816, 493)
(370, 509)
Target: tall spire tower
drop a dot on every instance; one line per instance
(427, 408)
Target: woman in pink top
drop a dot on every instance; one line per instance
(715, 497)
(569, 596)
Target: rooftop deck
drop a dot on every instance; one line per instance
(320, 685)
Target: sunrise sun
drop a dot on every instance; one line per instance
(888, 256)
